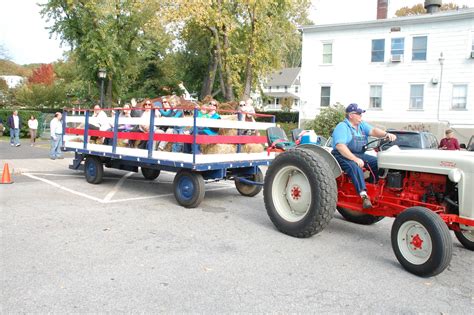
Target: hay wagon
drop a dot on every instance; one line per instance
(192, 170)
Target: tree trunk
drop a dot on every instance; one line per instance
(248, 65)
(208, 82)
(228, 89)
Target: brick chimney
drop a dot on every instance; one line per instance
(433, 6)
(382, 6)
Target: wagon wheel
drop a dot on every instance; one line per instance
(93, 170)
(466, 238)
(421, 242)
(188, 188)
(150, 173)
(250, 190)
(358, 217)
(300, 193)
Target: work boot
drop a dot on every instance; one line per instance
(366, 204)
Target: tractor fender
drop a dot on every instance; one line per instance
(328, 157)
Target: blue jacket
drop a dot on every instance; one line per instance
(10, 122)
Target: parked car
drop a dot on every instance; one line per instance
(407, 140)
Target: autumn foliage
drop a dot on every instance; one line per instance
(42, 75)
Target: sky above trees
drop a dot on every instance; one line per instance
(25, 40)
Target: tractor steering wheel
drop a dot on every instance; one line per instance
(382, 144)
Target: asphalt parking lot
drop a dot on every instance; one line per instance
(126, 246)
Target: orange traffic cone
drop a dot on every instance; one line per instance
(6, 179)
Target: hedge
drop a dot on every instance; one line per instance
(280, 117)
(25, 116)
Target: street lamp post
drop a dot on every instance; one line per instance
(441, 63)
(102, 75)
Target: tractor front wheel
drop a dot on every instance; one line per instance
(421, 242)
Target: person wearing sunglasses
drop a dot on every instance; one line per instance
(348, 141)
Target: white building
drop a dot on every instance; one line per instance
(413, 72)
(282, 87)
(13, 81)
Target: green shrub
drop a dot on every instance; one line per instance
(327, 120)
(24, 116)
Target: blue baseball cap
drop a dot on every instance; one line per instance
(354, 108)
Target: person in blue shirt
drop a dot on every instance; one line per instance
(167, 108)
(348, 140)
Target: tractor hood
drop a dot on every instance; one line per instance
(428, 161)
(458, 164)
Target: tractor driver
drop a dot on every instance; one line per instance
(348, 140)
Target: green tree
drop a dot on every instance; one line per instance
(246, 38)
(327, 120)
(104, 34)
(419, 8)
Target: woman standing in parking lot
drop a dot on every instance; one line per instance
(33, 126)
(449, 143)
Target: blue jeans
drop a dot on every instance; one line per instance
(355, 172)
(14, 135)
(55, 147)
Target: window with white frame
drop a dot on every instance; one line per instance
(416, 96)
(327, 53)
(375, 96)
(296, 89)
(398, 46)
(459, 96)
(420, 46)
(325, 96)
(378, 50)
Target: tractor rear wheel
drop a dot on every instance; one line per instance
(300, 193)
(421, 241)
(466, 238)
(358, 217)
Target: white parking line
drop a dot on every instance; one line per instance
(117, 186)
(64, 188)
(109, 196)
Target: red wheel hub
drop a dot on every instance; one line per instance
(416, 241)
(296, 192)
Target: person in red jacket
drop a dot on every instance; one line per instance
(449, 143)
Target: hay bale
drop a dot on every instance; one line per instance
(252, 148)
(218, 148)
(227, 131)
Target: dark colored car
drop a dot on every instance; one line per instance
(407, 140)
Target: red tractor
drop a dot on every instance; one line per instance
(428, 192)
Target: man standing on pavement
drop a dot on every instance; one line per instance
(14, 122)
(56, 128)
(348, 141)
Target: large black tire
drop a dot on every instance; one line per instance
(466, 238)
(300, 193)
(421, 242)
(93, 170)
(358, 217)
(188, 188)
(150, 173)
(250, 190)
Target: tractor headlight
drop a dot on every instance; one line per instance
(455, 175)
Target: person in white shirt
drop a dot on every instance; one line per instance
(56, 128)
(33, 126)
(100, 122)
(14, 122)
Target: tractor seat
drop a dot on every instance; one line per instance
(277, 140)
